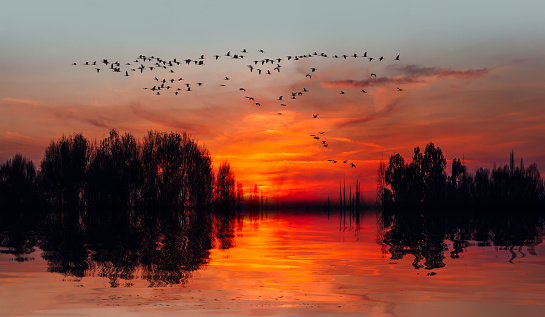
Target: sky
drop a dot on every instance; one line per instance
(471, 74)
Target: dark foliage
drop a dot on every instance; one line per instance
(164, 170)
(424, 183)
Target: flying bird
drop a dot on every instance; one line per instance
(399, 89)
(397, 58)
(373, 75)
(308, 75)
(315, 115)
(352, 165)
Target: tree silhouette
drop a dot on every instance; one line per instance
(63, 170)
(224, 191)
(18, 183)
(424, 183)
(114, 174)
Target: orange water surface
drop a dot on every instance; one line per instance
(296, 264)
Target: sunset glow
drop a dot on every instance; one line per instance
(475, 89)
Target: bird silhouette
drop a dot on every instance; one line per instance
(315, 115)
(309, 76)
(373, 75)
(363, 91)
(258, 104)
(280, 98)
(397, 58)
(399, 89)
(352, 165)
(242, 89)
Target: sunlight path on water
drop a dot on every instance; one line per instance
(293, 265)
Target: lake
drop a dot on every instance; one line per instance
(275, 263)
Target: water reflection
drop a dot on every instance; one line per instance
(165, 247)
(425, 235)
(162, 247)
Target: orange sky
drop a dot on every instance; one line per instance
(474, 89)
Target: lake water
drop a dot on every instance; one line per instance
(277, 264)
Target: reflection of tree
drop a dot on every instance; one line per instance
(160, 246)
(408, 233)
(423, 235)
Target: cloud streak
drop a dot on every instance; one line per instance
(410, 74)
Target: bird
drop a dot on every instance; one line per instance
(397, 58)
(98, 69)
(342, 92)
(258, 104)
(226, 78)
(243, 89)
(199, 84)
(280, 98)
(308, 75)
(283, 105)
(313, 69)
(373, 75)
(363, 91)
(305, 90)
(279, 113)
(352, 165)
(381, 58)
(261, 51)
(315, 115)
(399, 89)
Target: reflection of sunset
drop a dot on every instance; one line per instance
(300, 263)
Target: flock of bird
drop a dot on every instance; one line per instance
(264, 66)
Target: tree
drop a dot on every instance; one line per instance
(381, 183)
(433, 168)
(395, 177)
(63, 170)
(17, 183)
(224, 190)
(114, 174)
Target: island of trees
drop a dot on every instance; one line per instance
(424, 183)
(161, 170)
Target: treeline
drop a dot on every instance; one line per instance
(424, 183)
(160, 170)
